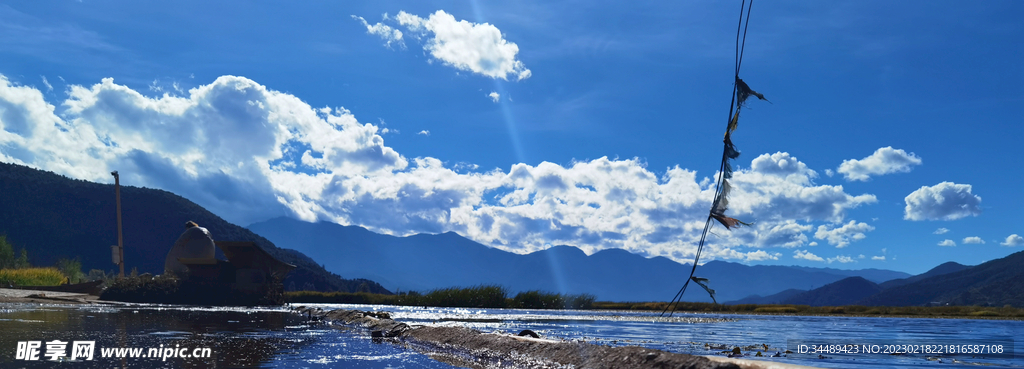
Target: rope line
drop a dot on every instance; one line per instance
(741, 44)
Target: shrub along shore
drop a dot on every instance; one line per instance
(497, 297)
(474, 297)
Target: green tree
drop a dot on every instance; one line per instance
(22, 260)
(6, 253)
(71, 268)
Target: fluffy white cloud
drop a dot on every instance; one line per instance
(494, 96)
(249, 153)
(879, 257)
(476, 47)
(1013, 240)
(974, 240)
(788, 233)
(388, 34)
(806, 255)
(947, 242)
(884, 161)
(944, 201)
(779, 187)
(941, 231)
(842, 259)
(424, 132)
(842, 236)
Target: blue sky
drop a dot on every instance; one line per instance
(892, 139)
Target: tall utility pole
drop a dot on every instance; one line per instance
(120, 241)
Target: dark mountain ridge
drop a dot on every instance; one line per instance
(842, 292)
(944, 268)
(54, 217)
(994, 283)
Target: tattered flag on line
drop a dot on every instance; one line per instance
(718, 212)
(703, 283)
(743, 92)
(733, 123)
(730, 149)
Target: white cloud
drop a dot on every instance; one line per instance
(388, 34)
(974, 240)
(880, 257)
(829, 172)
(476, 47)
(842, 236)
(1013, 240)
(842, 259)
(249, 153)
(788, 233)
(812, 243)
(806, 255)
(944, 201)
(941, 231)
(494, 96)
(424, 132)
(884, 161)
(759, 255)
(49, 87)
(947, 242)
(779, 187)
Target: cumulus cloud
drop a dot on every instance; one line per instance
(494, 96)
(788, 233)
(884, 161)
(879, 257)
(476, 47)
(941, 231)
(974, 240)
(843, 235)
(947, 242)
(249, 153)
(779, 187)
(944, 201)
(1013, 240)
(806, 255)
(387, 33)
(842, 259)
(424, 132)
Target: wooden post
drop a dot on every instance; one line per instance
(120, 240)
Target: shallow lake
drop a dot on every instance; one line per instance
(276, 337)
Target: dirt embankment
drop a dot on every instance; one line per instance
(471, 348)
(12, 295)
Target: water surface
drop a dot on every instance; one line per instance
(276, 337)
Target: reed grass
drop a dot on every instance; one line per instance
(31, 277)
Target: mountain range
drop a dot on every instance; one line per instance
(53, 217)
(994, 283)
(423, 262)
